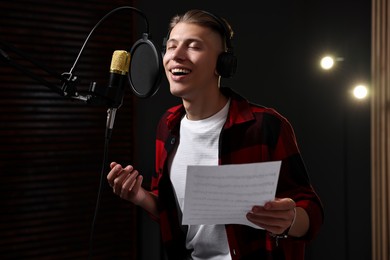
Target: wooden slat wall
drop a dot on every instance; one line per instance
(51, 148)
(380, 137)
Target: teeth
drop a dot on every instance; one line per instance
(178, 71)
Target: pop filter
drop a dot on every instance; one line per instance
(146, 67)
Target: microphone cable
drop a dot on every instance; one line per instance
(105, 162)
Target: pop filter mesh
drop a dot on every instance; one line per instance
(145, 68)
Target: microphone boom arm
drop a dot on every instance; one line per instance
(67, 79)
(5, 57)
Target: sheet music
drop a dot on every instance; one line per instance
(223, 194)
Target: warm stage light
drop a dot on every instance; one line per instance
(360, 92)
(327, 62)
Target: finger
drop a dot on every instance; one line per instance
(274, 213)
(118, 182)
(113, 164)
(131, 191)
(277, 213)
(129, 168)
(138, 184)
(280, 204)
(128, 183)
(137, 196)
(115, 171)
(272, 224)
(274, 229)
(266, 214)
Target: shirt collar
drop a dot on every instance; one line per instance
(239, 111)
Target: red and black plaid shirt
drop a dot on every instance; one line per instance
(251, 133)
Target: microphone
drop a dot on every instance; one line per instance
(118, 75)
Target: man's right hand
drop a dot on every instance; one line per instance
(126, 183)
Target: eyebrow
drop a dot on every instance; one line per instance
(188, 40)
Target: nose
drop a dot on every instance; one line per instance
(178, 53)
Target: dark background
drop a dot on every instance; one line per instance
(278, 45)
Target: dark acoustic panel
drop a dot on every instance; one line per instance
(51, 147)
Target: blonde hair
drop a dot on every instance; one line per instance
(205, 19)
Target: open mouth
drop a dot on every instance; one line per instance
(180, 72)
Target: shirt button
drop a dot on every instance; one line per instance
(173, 140)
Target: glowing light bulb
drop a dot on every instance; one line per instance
(327, 62)
(360, 91)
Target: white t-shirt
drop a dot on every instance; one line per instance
(198, 145)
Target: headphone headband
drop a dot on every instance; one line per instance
(225, 28)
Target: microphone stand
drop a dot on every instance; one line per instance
(69, 90)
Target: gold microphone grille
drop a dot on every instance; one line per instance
(120, 62)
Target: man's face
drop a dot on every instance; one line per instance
(190, 60)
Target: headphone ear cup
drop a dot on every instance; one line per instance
(226, 64)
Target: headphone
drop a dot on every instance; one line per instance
(227, 61)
